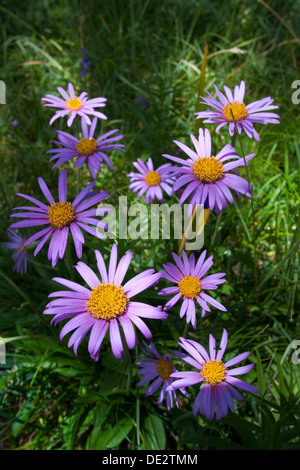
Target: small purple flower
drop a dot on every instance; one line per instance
(158, 368)
(88, 149)
(14, 123)
(151, 181)
(217, 392)
(104, 305)
(207, 177)
(20, 255)
(141, 101)
(73, 105)
(191, 285)
(85, 62)
(244, 115)
(62, 216)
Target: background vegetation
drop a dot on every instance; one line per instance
(152, 50)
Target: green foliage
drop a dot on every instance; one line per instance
(51, 399)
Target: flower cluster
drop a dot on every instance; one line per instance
(105, 305)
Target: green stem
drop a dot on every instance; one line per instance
(233, 140)
(69, 261)
(138, 440)
(129, 368)
(216, 229)
(77, 179)
(185, 330)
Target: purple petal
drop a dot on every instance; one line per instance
(46, 191)
(115, 339)
(72, 285)
(236, 359)
(43, 241)
(96, 337)
(128, 331)
(78, 238)
(240, 370)
(241, 384)
(112, 263)
(140, 324)
(62, 186)
(223, 345)
(101, 266)
(87, 274)
(122, 268)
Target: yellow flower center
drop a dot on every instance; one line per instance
(86, 147)
(21, 247)
(107, 301)
(238, 110)
(189, 286)
(74, 104)
(61, 214)
(152, 178)
(214, 372)
(164, 368)
(208, 169)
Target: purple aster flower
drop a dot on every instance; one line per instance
(20, 255)
(158, 368)
(151, 181)
(85, 62)
(72, 105)
(207, 177)
(62, 216)
(219, 379)
(82, 71)
(188, 275)
(141, 101)
(88, 149)
(104, 305)
(245, 115)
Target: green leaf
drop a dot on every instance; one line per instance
(154, 433)
(116, 435)
(261, 381)
(103, 436)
